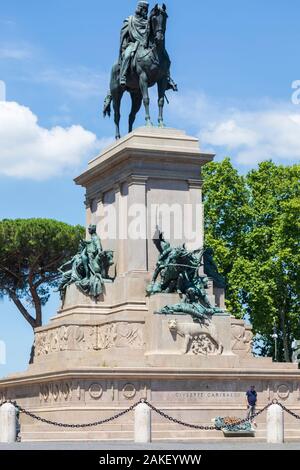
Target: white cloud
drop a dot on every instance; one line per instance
(30, 151)
(2, 91)
(230, 134)
(16, 51)
(265, 131)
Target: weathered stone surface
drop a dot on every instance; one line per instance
(275, 425)
(8, 423)
(194, 396)
(142, 424)
(96, 358)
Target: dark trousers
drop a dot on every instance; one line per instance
(251, 411)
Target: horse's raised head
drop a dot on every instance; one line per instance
(158, 20)
(159, 10)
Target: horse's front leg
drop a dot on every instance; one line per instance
(162, 86)
(145, 94)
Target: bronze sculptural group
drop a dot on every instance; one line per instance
(88, 268)
(178, 269)
(143, 62)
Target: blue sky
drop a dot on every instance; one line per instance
(234, 62)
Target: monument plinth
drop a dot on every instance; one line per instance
(99, 355)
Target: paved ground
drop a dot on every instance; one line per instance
(229, 445)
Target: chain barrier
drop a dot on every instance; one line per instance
(177, 421)
(205, 428)
(74, 426)
(156, 410)
(288, 411)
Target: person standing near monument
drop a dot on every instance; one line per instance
(251, 396)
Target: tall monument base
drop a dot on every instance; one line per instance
(97, 358)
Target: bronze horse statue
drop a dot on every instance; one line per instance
(150, 65)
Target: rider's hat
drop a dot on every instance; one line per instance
(141, 3)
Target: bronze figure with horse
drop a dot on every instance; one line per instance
(143, 63)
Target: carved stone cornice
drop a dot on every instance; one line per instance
(137, 180)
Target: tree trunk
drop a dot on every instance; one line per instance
(28, 318)
(285, 339)
(36, 300)
(23, 310)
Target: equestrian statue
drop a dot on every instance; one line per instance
(143, 62)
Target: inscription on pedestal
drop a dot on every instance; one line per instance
(205, 395)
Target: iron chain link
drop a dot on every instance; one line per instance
(177, 421)
(288, 411)
(74, 426)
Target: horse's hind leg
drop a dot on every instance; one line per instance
(117, 115)
(136, 99)
(162, 86)
(146, 100)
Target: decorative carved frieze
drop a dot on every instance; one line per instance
(204, 345)
(120, 335)
(56, 392)
(96, 391)
(283, 391)
(65, 338)
(85, 338)
(199, 339)
(63, 392)
(129, 391)
(241, 339)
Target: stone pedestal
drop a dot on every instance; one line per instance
(150, 178)
(96, 358)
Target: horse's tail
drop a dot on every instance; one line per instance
(114, 85)
(107, 107)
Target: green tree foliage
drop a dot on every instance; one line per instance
(226, 221)
(31, 252)
(253, 224)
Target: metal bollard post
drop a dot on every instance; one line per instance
(275, 425)
(142, 424)
(8, 423)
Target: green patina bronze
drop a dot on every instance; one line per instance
(210, 268)
(143, 62)
(178, 270)
(233, 425)
(88, 268)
